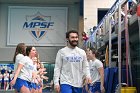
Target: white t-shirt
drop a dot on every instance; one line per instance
(18, 58)
(26, 71)
(70, 66)
(6, 76)
(94, 65)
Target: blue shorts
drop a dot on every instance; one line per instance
(38, 86)
(92, 88)
(20, 82)
(86, 88)
(33, 85)
(65, 88)
(96, 87)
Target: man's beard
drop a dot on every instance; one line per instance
(73, 44)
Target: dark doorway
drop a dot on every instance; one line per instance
(101, 13)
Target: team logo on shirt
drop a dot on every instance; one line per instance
(38, 25)
(73, 58)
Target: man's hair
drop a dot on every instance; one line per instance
(71, 31)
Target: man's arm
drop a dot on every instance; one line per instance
(86, 69)
(57, 69)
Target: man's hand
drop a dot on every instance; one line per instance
(102, 89)
(88, 80)
(57, 88)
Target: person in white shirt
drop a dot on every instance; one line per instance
(20, 52)
(23, 75)
(40, 76)
(6, 79)
(96, 71)
(34, 88)
(70, 66)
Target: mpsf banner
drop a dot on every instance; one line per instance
(39, 26)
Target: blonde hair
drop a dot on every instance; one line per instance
(41, 65)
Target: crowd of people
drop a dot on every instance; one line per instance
(5, 77)
(76, 70)
(28, 70)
